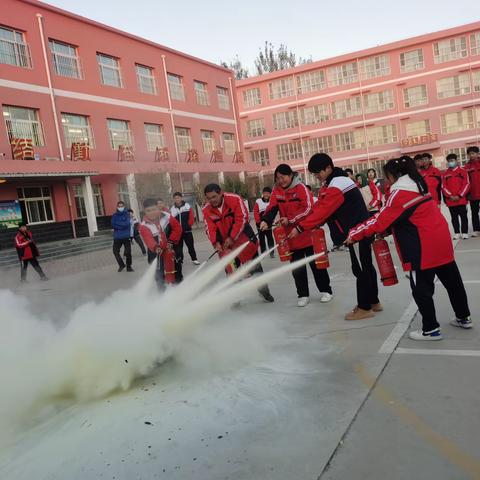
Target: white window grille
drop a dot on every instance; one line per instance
(23, 122)
(285, 120)
(146, 79)
(175, 85)
(223, 98)
(314, 114)
(123, 194)
(229, 146)
(79, 199)
(184, 139)
(415, 96)
(154, 136)
(343, 74)
(289, 151)
(318, 145)
(201, 93)
(208, 141)
(251, 97)
(65, 59)
(13, 49)
(418, 128)
(450, 49)
(76, 129)
(381, 135)
(350, 140)
(260, 156)
(119, 133)
(476, 81)
(98, 204)
(458, 121)
(373, 67)
(109, 70)
(256, 128)
(378, 101)
(346, 108)
(412, 61)
(454, 86)
(36, 204)
(281, 88)
(475, 43)
(311, 81)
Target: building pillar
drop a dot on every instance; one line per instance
(221, 178)
(241, 176)
(89, 206)
(132, 194)
(261, 181)
(168, 181)
(196, 179)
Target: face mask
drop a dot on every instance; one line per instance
(120, 209)
(452, 164)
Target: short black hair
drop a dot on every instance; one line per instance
(309, 187)
(318, 162)
(427, 155)
(473, 149)
(212, 187)
(130, 210)
(418, 156)
(348, 170)
(178, 194)
(120, 202)
(158, 200)
(267, 189)
(452, 156)
(150, 202)
(22, 224)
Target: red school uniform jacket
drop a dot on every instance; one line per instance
(433, 179)
(259, 209)
(159, 233)
(455, 182)
(26, 247)
(420, 230)
(473, 170)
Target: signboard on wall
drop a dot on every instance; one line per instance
(10, 214)
(420, 140)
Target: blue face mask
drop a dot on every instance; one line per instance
(452, 164)
(120, 209)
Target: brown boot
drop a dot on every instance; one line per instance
(377, 307)
(359, 314)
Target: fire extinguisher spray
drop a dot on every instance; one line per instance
(384, 260)
(320, 246)
(232, 266)
(280, 235)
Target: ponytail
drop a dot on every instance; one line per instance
(397, 167)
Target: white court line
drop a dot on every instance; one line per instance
(467, 251)
(471, 281)
(454, 353)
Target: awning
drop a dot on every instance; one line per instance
(48, 174)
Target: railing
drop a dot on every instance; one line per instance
(67, 66)
(78, 134)
(25, 129)
(14, 53)
(154, 140)
(120, 137)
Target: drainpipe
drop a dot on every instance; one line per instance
(359, 73)
(305, 172)
(234, 112)
(50, 86)
(70, 210)
(475, 116)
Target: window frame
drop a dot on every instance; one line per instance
(142, 77)
(73, 58)
(23, 200)
(116, 68)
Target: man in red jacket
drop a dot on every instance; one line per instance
(259, 209)
(432, 176)
(455, 186)
(27, 252)
(227, 227)
(473, 169)
(160, 231)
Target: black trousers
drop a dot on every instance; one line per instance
(322, 279)
(160, 271)
(36, 266)
(459, 212)
(127, 250)
(475, 207)
(187, 238)
(139, 242)
(365, 273)
(422, 283)
(268, 236)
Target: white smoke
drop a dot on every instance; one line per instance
(105, 346)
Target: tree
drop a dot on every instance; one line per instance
(237, 67)
(235, 185)
(270, 59)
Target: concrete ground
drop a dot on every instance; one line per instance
(329, 400)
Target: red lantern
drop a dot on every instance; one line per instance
(280, 235)
(320, 246)
(386, 268)
(169, 265)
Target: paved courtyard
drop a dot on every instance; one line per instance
(328, 399)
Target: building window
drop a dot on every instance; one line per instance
(281, 88)
(381, 135)
(98, 200)
(418, 128)
(343, 74)
(123, 194)
(461, 153)
(289, 151)
(36, 204)
(201, 93)
(251, 97)
(109, 70)
(285, 120)
(475, 43)
(375, 67)
(453, 86)
(350, 140)
(120, 134)
(184, 139)
(79, 201)
(13, 49)
(65, 59)
(23, 122)
(76, 129)
(450, 49)
(175, 85)
(415, 96)
(459, 121)
(476, 81)
(223, 98)
(311, 81)
(317, 145)
(348, 107)
(256, 128)
(145, 79)
(411, 61)
(208, 141)
(378, 101)
(229, 146)
(260, 156)
(314, 114)
(154, 136)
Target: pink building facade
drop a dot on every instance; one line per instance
(86, 108)
(416, 95)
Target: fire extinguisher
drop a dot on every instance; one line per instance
(280, 235)
(386, 268)
(169, 264)
(232, 266)
(320, 246)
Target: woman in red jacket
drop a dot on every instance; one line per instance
(423, 242)
(293, 201)
(27, 252)
(455, 186)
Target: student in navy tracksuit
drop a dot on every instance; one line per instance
(121, 224)
(423, 242)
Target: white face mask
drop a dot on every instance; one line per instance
(120, 209)
(452, 164)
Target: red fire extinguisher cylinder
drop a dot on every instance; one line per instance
(231, 267)
(319, 243)
(169, 265)
(280, 235)
(384, 260)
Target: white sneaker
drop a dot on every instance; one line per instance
(465, 236)
(476, 234)
(195, 262)
(426, 336)
(325, 297)
(303, 301)
(456, 236)
(462, 323)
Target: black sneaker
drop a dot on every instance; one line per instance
(265, 293)
(130, 269)
(272, 254)
(122, 268)
(44, 279)
(462, 323)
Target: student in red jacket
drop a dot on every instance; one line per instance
(227, 225)
(27, 252)
(473, 169)
(159, 231)
(432, 176)
(292, 200)
(258, 210)
(455, 186)
(423, 242)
